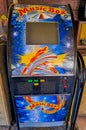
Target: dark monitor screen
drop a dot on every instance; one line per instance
(42, 33)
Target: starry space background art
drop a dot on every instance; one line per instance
(41, 60)
(37, 113)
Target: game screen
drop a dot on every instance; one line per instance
(42, 33)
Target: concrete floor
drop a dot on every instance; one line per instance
(81, 122)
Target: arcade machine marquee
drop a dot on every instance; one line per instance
(41, 64)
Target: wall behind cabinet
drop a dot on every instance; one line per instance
(74, 4)
(3, 7)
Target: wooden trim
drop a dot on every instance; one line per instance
(5, 113)
(79, 45)
(82, 51)
(79, 31)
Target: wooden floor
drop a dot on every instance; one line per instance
(81, 122)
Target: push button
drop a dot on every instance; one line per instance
(36, 80)
(36, 84)
(29, 80)
(65, 83)
(42, 80)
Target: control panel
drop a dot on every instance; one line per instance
(44, 85)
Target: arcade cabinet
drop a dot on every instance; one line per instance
(42, 66)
